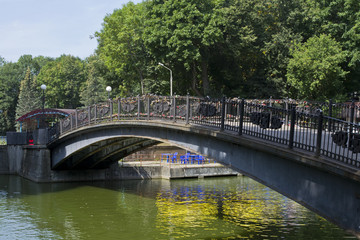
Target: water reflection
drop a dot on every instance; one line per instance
(235, 211)
(218, 208)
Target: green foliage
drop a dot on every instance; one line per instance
(121, 47)
(181, 34)
(246, 48)
(94, 89)
(315, 70)
(63, 78)
(216, 47)
(9, 87)
(341, 20)
(29, 97)
(11, 74)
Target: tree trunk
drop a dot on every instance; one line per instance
(204, 76)
(194, 80)
(141, 81)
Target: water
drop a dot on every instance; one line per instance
(210, 208)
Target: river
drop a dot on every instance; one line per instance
(210, 208)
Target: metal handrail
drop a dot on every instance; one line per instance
(313, 131)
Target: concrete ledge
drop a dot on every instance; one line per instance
(172, 171)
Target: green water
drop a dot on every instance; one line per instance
(210, 208)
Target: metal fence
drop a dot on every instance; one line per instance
(343, 111)
(328, 129)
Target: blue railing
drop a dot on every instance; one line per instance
(285, 123)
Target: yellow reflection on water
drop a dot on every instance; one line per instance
(187, 212)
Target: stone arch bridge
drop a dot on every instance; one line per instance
(309, 155)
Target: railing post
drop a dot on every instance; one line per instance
(352, 115)
(352, 111)
(148, 107)
(111, 109)
(95, 113)
(89, 114)
(319, 133)
(287, 109)
(174, 104)
(119, 108)
(71, 120)
(187, 109)
(241, 116)
(138, 115)
(223, 102)
(330, 115)
(292, 127)
(76, 119)
(61, 125)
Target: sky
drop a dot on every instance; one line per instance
(52, 27)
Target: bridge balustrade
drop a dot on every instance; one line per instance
(341, 141)
(300, 126)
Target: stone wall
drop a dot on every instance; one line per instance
(154, 153)
(4, 161)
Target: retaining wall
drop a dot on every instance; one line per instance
(4, 161)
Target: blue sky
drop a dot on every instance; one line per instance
(52, 27)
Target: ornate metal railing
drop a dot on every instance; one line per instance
(282, 123)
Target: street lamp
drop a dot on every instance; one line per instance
(108, 89)
(171, 88)
(43, 87)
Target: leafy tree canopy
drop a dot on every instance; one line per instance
(94, 89)
(63, 78)
(29, 97)
(315, 70)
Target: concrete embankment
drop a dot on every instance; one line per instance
(4, 161)
(145, 170)
(10, 159)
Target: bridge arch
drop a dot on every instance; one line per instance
(111, 142)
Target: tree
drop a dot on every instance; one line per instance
(341, 20)
(63, 78)
(29, 97)
(182, 32)
(11, 74)
(121, 47)
(94, 89)
(2, 61)
(315, 70)
(9, 87)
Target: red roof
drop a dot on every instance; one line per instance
(45, 112)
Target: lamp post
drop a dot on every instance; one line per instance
(171, 88)
(108, 89)
(43, 87)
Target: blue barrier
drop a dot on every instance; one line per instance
(188, 158)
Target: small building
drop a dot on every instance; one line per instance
(42, 118)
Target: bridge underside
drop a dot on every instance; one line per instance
(102, 154)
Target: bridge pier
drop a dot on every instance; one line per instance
(34, 163)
